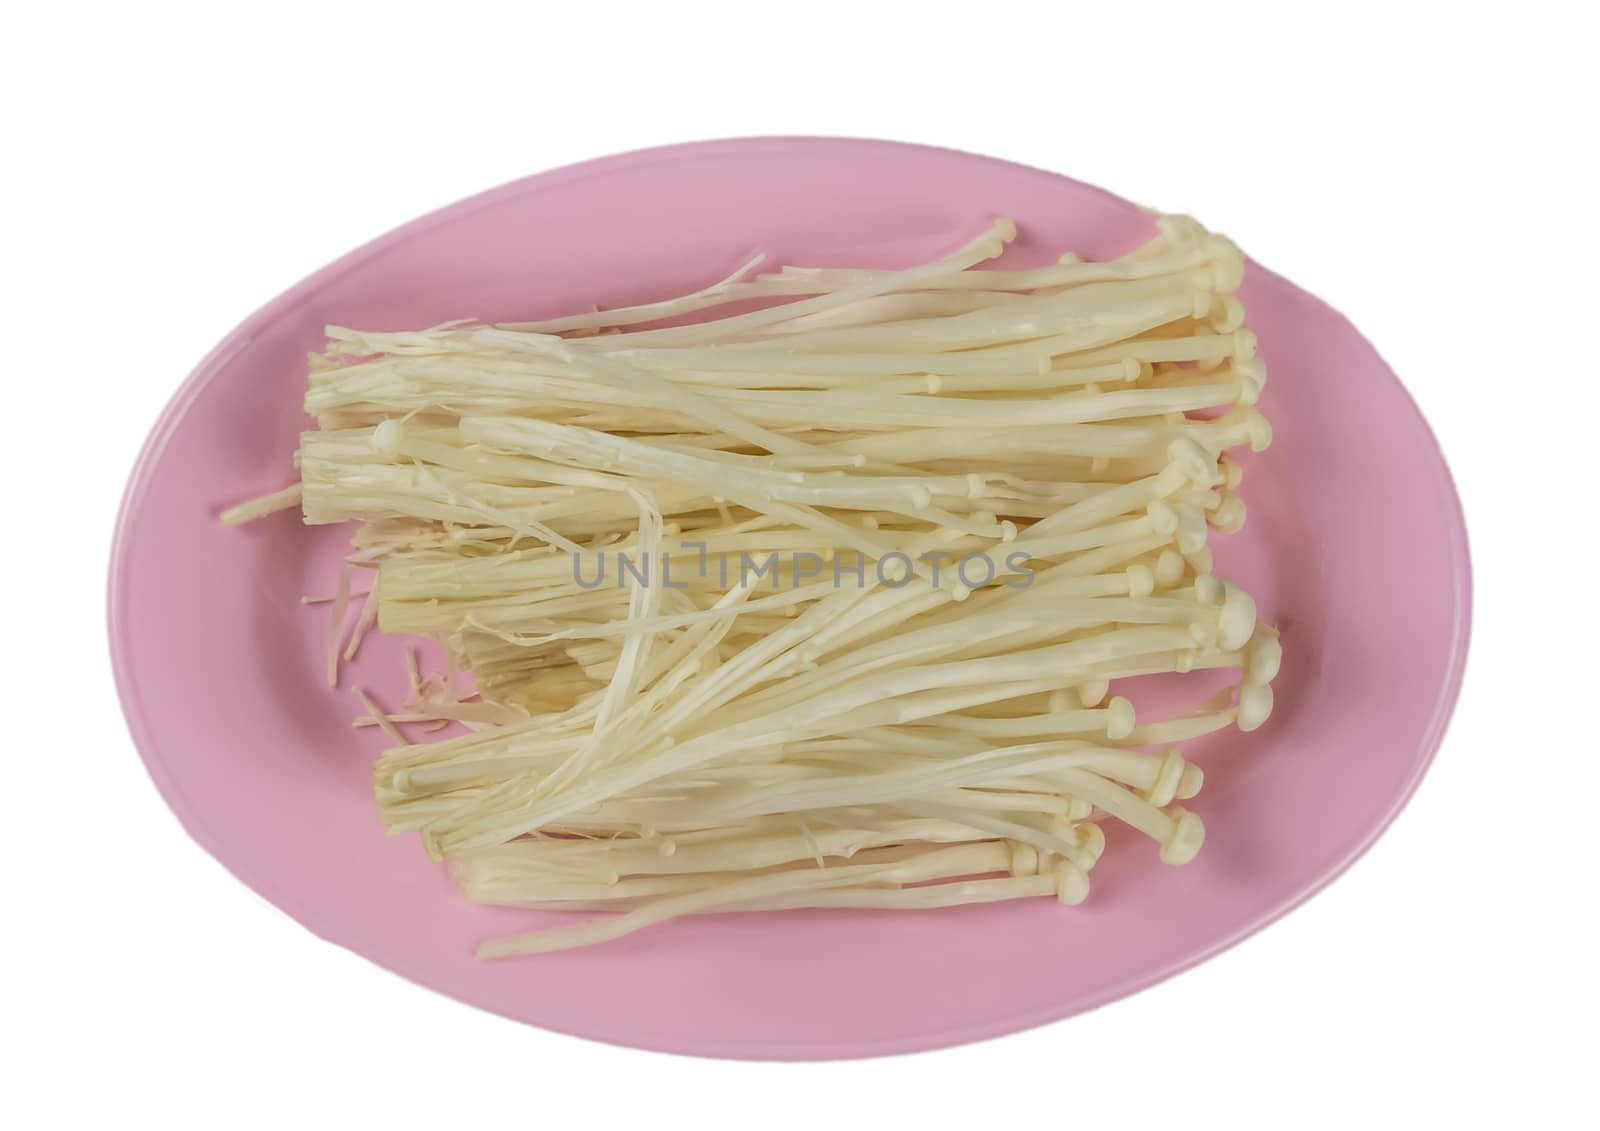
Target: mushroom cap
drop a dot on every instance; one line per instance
(1263, 657)
(1183, 842)
(1236, 623)
(1255, 705)
(1072, 883)
(1119, 718)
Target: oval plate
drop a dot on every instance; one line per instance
(219, 665)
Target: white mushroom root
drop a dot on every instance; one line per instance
(838, 600)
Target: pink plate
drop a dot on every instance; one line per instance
(219, 664)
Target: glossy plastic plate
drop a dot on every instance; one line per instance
(219, 665)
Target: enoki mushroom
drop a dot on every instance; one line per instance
(816, 602)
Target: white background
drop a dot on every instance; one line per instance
(172, 168)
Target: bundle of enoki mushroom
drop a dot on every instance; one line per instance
(811, 604)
